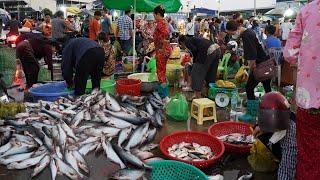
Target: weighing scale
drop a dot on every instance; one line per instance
(221, 96)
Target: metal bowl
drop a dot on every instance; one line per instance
(146, 86)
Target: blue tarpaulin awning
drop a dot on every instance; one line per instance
(208, 12)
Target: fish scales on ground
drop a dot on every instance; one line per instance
(59, 134)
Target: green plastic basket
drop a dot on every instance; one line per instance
(174, 170)
(105, 86)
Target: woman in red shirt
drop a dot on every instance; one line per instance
(163, 49)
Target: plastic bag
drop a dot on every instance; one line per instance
(261, 159)
(242, 75)
(178, 109)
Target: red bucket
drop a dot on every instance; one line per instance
(201, 138)
(129, 86)
(228, 127)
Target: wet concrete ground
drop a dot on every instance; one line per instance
(101, 167)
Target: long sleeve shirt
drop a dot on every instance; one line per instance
(72, 53)
(302, 49)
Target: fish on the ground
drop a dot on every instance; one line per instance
(59, 134)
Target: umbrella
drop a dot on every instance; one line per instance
(170, 6)
(276, 12)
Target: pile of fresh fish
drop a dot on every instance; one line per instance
(59, 134)
(191, 152)
(237, 138)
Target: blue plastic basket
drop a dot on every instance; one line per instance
(50, 91)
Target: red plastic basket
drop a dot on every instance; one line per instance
(228, 127)
(201, 138)
(129, 86)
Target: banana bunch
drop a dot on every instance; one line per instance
(242, 75)
(225, 84)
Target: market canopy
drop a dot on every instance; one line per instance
(171, 6)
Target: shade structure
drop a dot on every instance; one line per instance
(171, 6)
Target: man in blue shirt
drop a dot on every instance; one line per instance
(106, 23)
(271, 41)
(85, 57)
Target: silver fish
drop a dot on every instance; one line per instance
(68, 130)
(88, 140)
(149, 108)
(151, 135)
(6, 147)
(84, 150)
(142, 155)
(128, 157)
(80, 161)
(127, 116)
(137, 136)
(58, 152)
(126, 174)
(149, 147)
(62, 137)
(53, 168)
(73, 162)
(26, 163)
(44, 162)
(112, 104)
(53, 114)
(15, 158)
(66, 169)
(23, 148)
(78, 118)
(124, 134)
(111, 154)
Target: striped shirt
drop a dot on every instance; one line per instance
(125, 25)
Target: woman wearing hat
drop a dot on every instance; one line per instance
(147, 32)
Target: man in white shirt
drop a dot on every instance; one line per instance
(286, 27)
(190, 28)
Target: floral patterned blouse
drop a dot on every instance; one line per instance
(109, 66)
(162, 38)
(303, 49)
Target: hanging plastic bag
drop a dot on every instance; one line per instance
(261, 159)
(178, 109)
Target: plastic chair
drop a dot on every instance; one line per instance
(277, 54)
(223, 65)
(198, 107)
